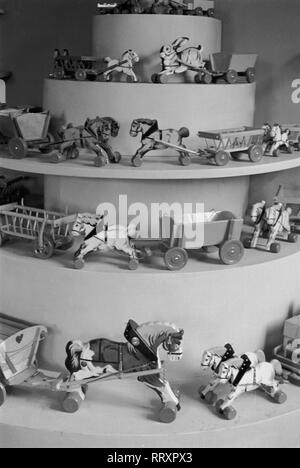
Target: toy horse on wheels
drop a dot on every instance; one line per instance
(277, 140)
(99, 237)
(140, 357)
(152, 138)
(125, 65)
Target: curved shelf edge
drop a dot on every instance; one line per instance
(153, 168)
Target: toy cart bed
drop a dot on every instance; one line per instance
(220, 229)
(228, 67)
(48, 230)
(221, 144)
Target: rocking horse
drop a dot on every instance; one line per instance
(270, 223)
(99, 237)
(139, 357)
(244, 376)
(152, 138)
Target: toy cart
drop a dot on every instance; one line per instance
(220, 229)
(31, 131)
(48, 230)
(19, 345)
(80, 68)
(221, 144)
(228, 67)
(289, 353)
(294, 137)
(193, 7)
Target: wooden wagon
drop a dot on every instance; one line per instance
(48, 230)
(216, 229)
(78, 67)
(289, 352)
(229, 67)
(221, 144)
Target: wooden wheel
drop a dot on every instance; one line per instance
(222, 158)
(162, 79)
(255, 153)
(231, 252)
(176, 259)
(184, 159)
(294, 379)
(231, 77)
(72, 403)
(133, 264)
(198, 11)
(79, 264)
(168, 413)
(100, 161)
(117, 158)
(59, 73)
(229, 413)
(250, 75)
(2, 394)
(137, 161)
(18, 148)
(80, 75)
(280, 397)
(46, 251)
(293, 238)
(275, 247)
(247, 243)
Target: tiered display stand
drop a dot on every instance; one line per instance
(245, 304)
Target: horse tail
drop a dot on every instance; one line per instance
(184, 132)
(277, 367)
(73, 350)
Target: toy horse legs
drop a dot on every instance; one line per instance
(92, 245)
(208, 394)
(256, 235)
(141, 152)
(273, 235)
(171, 403)
(225, 408)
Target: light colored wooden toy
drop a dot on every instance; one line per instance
(123, 65)
(289, 352)
(49, 231)
(245, 376)
(100, 360)
(278, 140)
(100, 237)
(73, 67)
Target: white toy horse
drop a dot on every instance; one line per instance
(103, 238)
(271, 223)
(124, 65)
(140, 356)
(245, 378)
(278, 139)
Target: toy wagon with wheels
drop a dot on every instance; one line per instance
(49, 231)
(218, 229)
(289, 352)
(80, 68)
(294, 136)
(31, 131)
(228, 67)
(223, 144)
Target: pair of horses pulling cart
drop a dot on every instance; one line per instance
(90, 363)
(220, 145)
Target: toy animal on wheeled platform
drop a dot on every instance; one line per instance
(243, 374)
(277, 140)
(124, 65)
(270, 223)
(289, 352)
(94, 136)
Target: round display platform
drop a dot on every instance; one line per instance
(197, 107)
(146, 34)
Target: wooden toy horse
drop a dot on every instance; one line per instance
(140, 355)
(211, 360)
(94, 135)
(124, 65)
(152, 138)
(271, 223)
(277, 139)
(99, 237)
(244, 377)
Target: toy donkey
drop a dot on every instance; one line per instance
(176, 61)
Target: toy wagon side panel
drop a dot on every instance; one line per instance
(18, 352)
(216, 232)
(220, 62)
(241, 62)
(287, 363)
(6, 122)
(32, 127)
(205, 4)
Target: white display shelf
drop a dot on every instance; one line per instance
(124, 414)
(154, 168)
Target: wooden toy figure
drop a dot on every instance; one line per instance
(271, 223)
(140, 356)
(99, 237)
(124, 65)
(289, 352)
(176, 60)
(245, 376)
(277, 140)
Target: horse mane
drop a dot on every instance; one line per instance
(90, 219)
(146, 121)
(149, 335)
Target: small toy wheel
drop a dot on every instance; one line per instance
(289, 149)
(79, 264)
(80, 75)
(154, 78)
(59, 73)
(2, 394)
(56, 157)
(162, 79)
(231, 252)
(231, 77)
(185, 159)
(247, 243)
(222, 158)
(176, 259)
(250, 75)
(18, 148)
(100, 161)
(168, 413)
(293, 238)
(275, 247)
(72, 403)
(133, 264)
(211, 398)
(74, 153)
(137, 161)
(276, 153)
(255, 153)
(117, 158)
(46, 251)
(294, 379)
(280, 397)
(229, 413)
(211, 13)
(198, 11)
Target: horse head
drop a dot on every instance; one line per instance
(273, 214)
(131, 56)
(165, 335)
(257, 212)
(207, 359)
(84, 224)
(113, 125)
(276, 133)
(142, 126)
